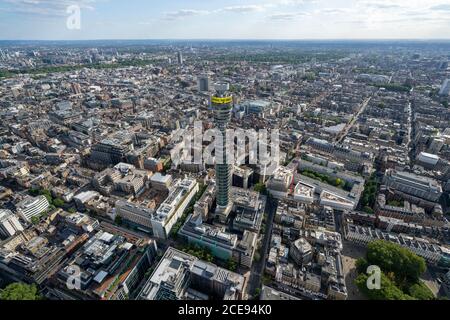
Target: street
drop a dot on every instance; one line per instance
(258, 267)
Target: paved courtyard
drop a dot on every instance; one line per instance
(350, 254)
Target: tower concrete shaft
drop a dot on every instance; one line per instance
(222, 104)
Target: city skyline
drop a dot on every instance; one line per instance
(231, 153)
(268, 19)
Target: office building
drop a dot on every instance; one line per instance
(161, 182)
(111, 267)
(9, 224)
(335, 201)
(432, 253)
(242, 177)
(261, 108)
(222, 244)
(32, 207)
(180, 58)
(216, 239)
(137, 215)
(64, 117)
(79, 223)
(278, 185)
(173, 207)
(428, 160)
(203, 83)
(245, 251)
(180, 276)
(445, 88)
(113, 150)
(36, 259)
(270, 294)
(123, 178)
(153, 164)
(436, 145)
(303, 192)
(248, 207)
(203, 205)
(84, 197)
(412, 184)
(76, 88)
(301, 252)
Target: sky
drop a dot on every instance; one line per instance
(224, 19)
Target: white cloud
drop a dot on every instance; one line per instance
(248, 8)
(183, 13)
(334, 11)
(384, 4)
(244, 8)
(286, 16)
(45, 7)
(441, 7)
(400, 14)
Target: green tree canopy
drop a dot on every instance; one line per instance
(118, 220)
(420, 291)
(34, 220)
(401, 269)
(231, 265)
(261, 188)
(47, 194)
(391, 257)
(19, 291)
(58, 202)
(388, 290)
(361, 265)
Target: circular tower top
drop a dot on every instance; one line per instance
(221, 87)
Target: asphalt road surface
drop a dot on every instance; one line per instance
(258, 267)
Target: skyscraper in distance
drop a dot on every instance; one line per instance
(445, 88)
(180, 57)
(203, 83)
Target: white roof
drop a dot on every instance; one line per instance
(429, 155)
(158, 177)
(100, 276)
(106, 237)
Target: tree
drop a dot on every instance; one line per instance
(257, 294)
(46, 193)
(395, 203)
(58, 202)
(388, 290)
(72, 210)
(372, 199)
(35, 220)
(231, 265)
(118, 220)
(401, 269)
(266, 279)
(391, 257)
(19, 291)
(167, 166)
(361, 265)
(420, 291)
(33, 192)
(368, 209)
(347, 186)
(261, 188)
